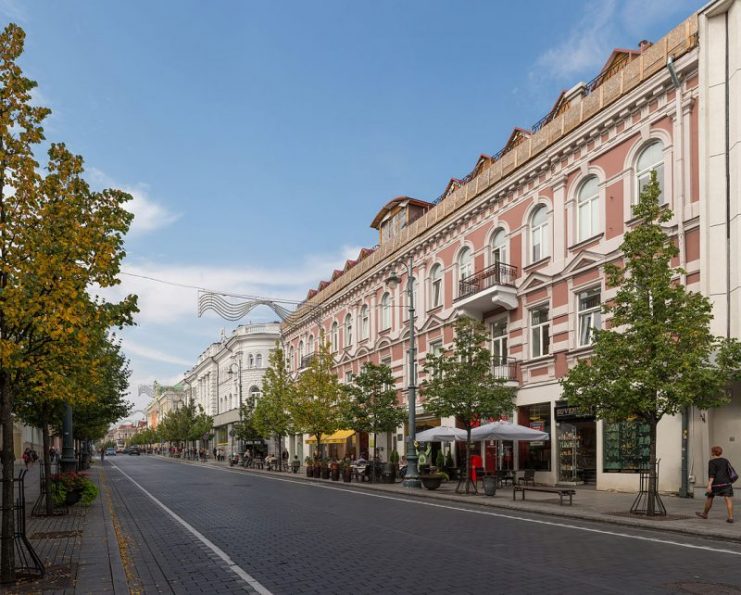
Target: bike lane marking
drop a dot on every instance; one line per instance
(494, 514)
(235, 568)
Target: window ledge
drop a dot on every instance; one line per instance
(434, 309)
(589, 240)
(582, 350)
(536, 264)
(541, 359)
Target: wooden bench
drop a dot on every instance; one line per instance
(561, 492)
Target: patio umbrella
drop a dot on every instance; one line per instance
(501, 430)
(441, 434)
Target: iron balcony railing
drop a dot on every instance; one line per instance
(499, 273)
(504, 367)
(306, 360)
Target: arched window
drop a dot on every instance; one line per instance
(436, 286)
(255, 393)
(587, 209)
(385, 312)
(291, 359)
(258, 360)
(311, 345)
(651, 158)
(465, 264)
(335, 336)
(301, 354)
(499, 247)
(250, 361)
(364, 322)
(539, 240)
(348, 330)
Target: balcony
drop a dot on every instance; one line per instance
(306, 360)
(494, 286)
(504, 368)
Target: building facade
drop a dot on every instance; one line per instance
(521, 242)
(230, 372)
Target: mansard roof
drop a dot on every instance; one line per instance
(396, 202)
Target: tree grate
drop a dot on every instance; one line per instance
(56, 534)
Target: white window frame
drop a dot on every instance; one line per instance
(364, 322)
(540, 334)
(300, 353)
(258, 360)
(291, 358)
(587, 209)
(498, 247)
(589, 315)
(643, 171)
(499, 343)
(539, 232)
(335, 337)
(436, 286)
(385, 311)
(465, 263)
(310, 348)
(348, 330)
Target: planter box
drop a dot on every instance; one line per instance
(431, 482)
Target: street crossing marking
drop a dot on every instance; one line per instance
(496, 514)
(235, 568)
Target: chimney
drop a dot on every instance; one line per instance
(644, 44)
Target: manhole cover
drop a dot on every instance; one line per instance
(703, 588)
(56, 534)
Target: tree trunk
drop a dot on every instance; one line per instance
(652, 475)
(7, 534)
(468, 458)
(46, 461)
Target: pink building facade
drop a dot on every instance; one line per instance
(521, 243)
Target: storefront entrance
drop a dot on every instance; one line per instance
(577, 446)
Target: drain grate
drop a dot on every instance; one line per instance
(56, 534)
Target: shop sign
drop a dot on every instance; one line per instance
(571, 412)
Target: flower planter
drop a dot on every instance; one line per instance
(347, 475)
(73, 497)
(309, 471)
(490, 485)
(431, 482)
(325, 472)
(317, 471)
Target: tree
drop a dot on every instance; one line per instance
(245, 429)
(658, 356)
(58, 239)
(461, 383)
(317, 404)
(372, 405)
(271, 414)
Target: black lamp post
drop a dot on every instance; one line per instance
(411, 479)
(239, 388)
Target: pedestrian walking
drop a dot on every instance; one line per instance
(721, 476)
(27, 456)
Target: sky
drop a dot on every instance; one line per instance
(259, 139)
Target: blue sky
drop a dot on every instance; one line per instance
(259, 139)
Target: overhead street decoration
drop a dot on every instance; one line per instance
(234, 311)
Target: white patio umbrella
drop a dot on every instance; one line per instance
(441, 434)
(502, 430)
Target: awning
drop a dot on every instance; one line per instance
(339, 437)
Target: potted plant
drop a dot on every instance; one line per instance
(432, 481)
(324, 469)
(334, 468)
(309, 467)
(317, 468)
(72, 487)
(295, 464)
(392, 467)
(346, 468)
(490, 485)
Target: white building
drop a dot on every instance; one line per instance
(230, 372)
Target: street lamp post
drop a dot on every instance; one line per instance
(411, 479)
(239, 388)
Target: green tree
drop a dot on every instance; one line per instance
(271, 413)
(57, 240)
(318, 401)
(372, 405)
(658, 356)
(461, 383)
(245, 429)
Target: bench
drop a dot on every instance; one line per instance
(561, 492)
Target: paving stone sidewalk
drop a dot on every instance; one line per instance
(79, 550)
(589, 505)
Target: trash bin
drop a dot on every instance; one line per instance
(490, 485)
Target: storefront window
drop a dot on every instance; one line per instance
(626, 446)
(535, 455)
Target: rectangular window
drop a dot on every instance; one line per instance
(437, 292)
(590, 316)
(387, 362)
(626, 446)
(540, 331)
(499, 342)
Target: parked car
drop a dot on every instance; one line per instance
(134, 450)
(110, 452)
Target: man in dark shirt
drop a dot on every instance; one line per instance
(719, 484)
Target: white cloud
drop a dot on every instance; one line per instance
(585, 48)
(149, 215)
(149, 353)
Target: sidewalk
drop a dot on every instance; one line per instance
(589, 505)
(79, 550)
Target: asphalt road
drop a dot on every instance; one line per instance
(192, 528)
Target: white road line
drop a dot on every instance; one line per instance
(496, 514)
(247, 578)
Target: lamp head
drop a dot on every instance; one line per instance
(393, 279)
